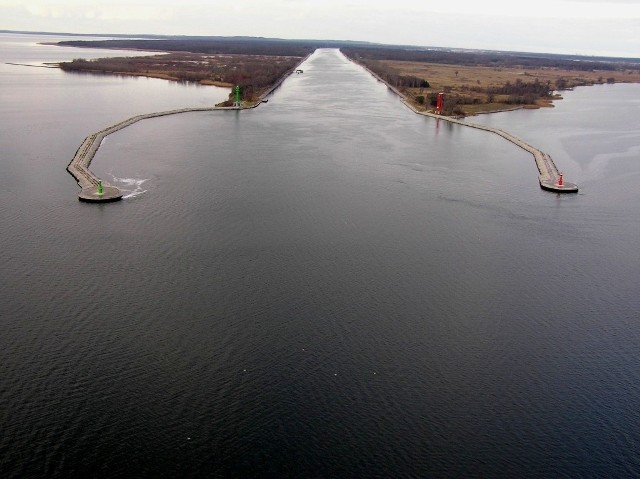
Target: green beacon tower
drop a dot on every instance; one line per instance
(237, 92)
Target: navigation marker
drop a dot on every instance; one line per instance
(237, 92)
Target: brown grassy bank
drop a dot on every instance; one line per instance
(485, 85)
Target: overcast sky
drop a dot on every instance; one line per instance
(586, 27)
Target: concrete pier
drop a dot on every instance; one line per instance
(79, 166)
(94, 195)
(548, 174)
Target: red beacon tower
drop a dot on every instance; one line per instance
(439, 103)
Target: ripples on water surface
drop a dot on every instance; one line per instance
(325, 286)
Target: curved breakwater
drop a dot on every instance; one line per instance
(548, 175)
(91, 187)
(79, 165)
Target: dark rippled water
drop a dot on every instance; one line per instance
(325, 286)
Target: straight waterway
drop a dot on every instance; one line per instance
(549, 176)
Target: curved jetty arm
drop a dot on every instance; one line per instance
(548, 176)
(79, 166)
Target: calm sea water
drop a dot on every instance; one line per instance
(325, 286)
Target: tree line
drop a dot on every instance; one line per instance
(488, 58)
(253, 73)
(222, 45)
(520, 92)
(393, 77)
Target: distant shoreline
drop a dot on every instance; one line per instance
(45, 65)
(473, 82)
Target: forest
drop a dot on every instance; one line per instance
(489, 58)
(254, 73)
(214, 45)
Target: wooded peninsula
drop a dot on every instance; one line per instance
(473, 81)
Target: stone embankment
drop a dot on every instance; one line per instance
(92, 189)
(548, 175)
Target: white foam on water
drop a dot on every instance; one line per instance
(132, 187)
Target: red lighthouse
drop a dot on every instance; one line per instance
(439, 103)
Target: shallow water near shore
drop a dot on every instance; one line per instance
(326, 286)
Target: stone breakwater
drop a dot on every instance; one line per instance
(89, 183)
(548, 175)
(92, 189)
